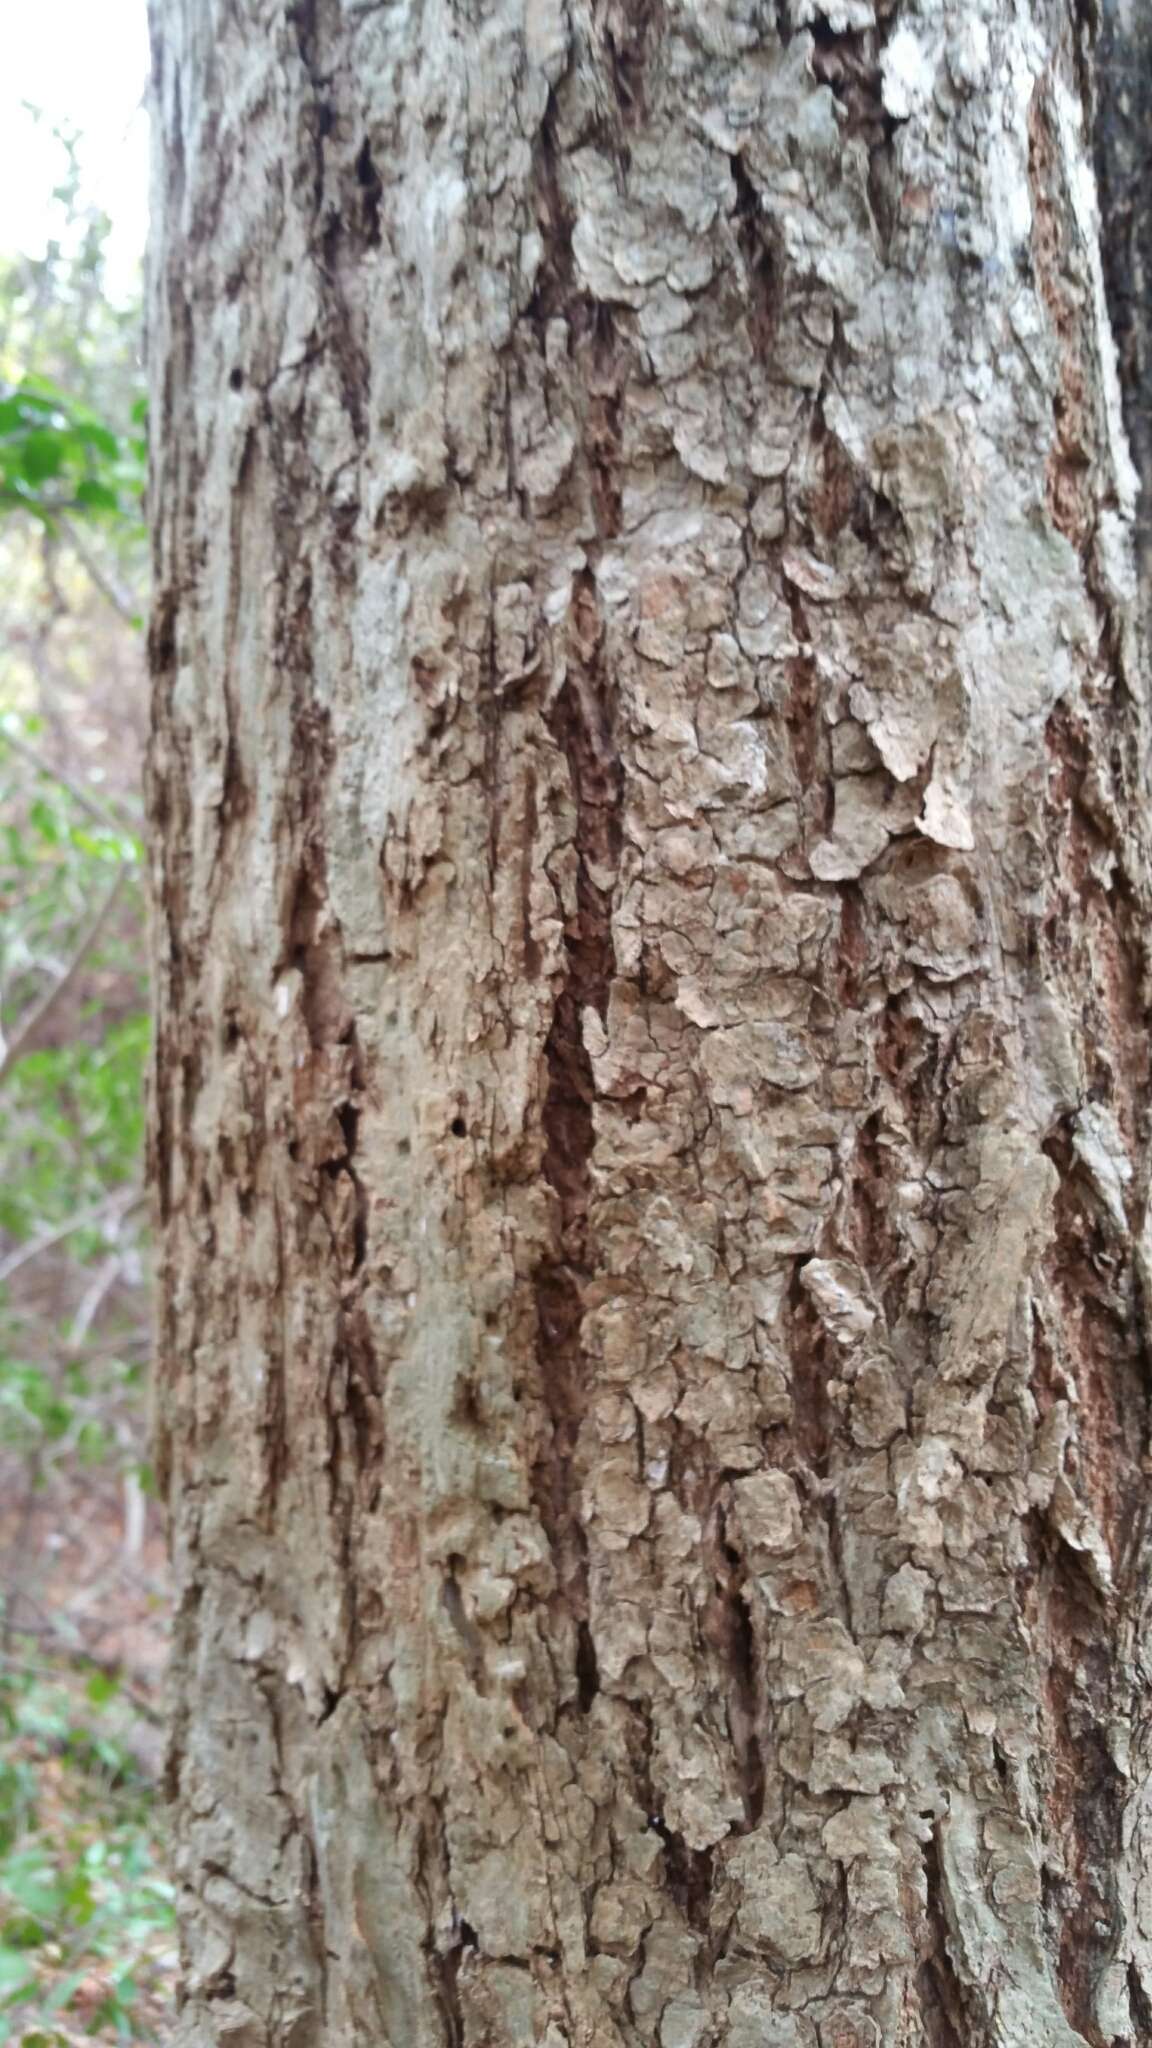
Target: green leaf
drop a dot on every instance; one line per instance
(102, 1687)
(42, 455)
(42, 815)
(96, 497)
(100, 437)
(62, 1993)
(15, 1974)
(25, 407)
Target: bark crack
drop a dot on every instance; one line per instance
(761, 269)
(940, 1989)
(582, 725)
(733, 1635)
(848, 62)
(1120, 132)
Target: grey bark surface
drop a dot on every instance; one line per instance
(650, 1113)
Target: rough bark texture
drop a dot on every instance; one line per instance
(652, 1084)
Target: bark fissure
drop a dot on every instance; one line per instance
(943, 2005)
(582, 727)
(848, 61)
(1088, 1791)
(734, 1636)
(753, 234)
(1120, 110)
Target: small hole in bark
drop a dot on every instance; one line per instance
(587, 1668)
(458, 1127)
(403, 1147)
(1138, 1999)
(466, 1407)
(688, 1873)
(162, 636)
(236, 380)
(368, 179)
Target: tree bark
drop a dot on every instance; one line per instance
(650, 1114)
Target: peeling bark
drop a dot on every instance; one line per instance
(649, 785)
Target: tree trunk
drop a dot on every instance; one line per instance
(651, 1096)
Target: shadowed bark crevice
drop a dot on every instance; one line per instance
(942, 2002)
(848, 61)
(1087, 1790)
(1122, 140)
(812, 1418)
(761, 269)
(731, 1630)
(581, 723)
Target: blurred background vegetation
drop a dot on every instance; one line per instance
(86, 1945)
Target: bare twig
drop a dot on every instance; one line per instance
(119, 1206)
(135, 1513)
(76, 1651)
(95, 1296)
(105, 584)
(139, 1339)
(104, 812)
(29, 1025)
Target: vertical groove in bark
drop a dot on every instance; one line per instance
(942, 2000)
(1122, 126)
(582, 725)
(1088, 1789)
(732, 1631)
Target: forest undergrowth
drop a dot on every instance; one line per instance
(86, 1928)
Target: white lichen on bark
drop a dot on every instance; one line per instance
(651, 1092)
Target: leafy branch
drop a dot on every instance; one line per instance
(58, 459)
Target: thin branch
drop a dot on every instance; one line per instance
(54, 1629)
(94, 1298)
(105, 813)
(135, 1516)
(138, 1339)
(104, 583)
(33, 1018)
(120, 1205)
